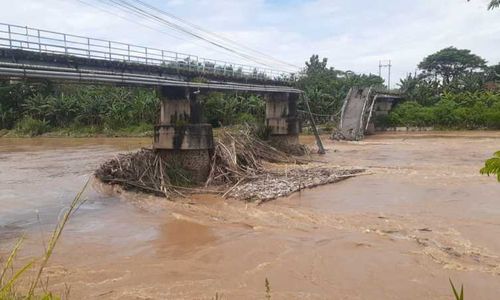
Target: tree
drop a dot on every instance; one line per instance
(327, 87)
(451, 62)
(315, 66)
(420, 89)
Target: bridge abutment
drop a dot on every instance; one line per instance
(281, 118)
(181, 138)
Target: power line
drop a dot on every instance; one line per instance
(130, 20)
(125, 6)
(150, 27)
(213, 33)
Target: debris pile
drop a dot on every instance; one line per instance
(239, 169)
(144, 170)
(278, 184)
(239, 156)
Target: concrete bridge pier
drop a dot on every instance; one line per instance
(282, 119)
(180, 137)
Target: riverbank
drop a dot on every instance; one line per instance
(141, 130)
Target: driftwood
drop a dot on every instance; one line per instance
(239, 156)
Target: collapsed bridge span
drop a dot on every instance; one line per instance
(360, 107)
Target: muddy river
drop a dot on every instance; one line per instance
(422, 215)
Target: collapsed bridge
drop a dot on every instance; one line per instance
(359, 110)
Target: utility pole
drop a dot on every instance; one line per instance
(385, 64)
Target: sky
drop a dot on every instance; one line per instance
(353, 34)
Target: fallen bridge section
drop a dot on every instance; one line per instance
(354, 111)
(360, 108)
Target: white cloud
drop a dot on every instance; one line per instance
(352, 34)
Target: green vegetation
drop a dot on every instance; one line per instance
(455, 90)
(30, 109)
(31, 127)
(11, 277)
(468, 110)
(455, 293)
(230, 109)
(327, 87)
(492, 166)
(450, 63)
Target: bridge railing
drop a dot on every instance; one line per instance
(44, 41)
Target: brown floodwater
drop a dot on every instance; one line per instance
(421, 215)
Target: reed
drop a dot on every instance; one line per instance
(11, 277)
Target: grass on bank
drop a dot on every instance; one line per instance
(29, 127)
(11, 277)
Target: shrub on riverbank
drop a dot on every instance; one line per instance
(32, 109)
(31, 127)
(29, 109)
(479, 110)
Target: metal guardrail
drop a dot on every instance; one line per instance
(44, 41)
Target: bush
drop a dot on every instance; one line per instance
(231, 109)
(459, 111)
(411, 114)
(32, 127)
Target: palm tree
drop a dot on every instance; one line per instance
(492, 166)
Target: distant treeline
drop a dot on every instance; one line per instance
(467, 110)
(34, 108)
(455, 89)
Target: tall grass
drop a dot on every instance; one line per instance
(10, 277)
(455, 293)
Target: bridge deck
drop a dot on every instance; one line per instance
(34, 53)
(56, 67)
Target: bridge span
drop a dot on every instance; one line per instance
(35, 54)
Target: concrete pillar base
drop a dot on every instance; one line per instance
(288, 144)
(196, 163)
(283, 141)
(187, 147)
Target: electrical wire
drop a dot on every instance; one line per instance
(143, 3)
(129, 8)
(151, 28)
(123, 5)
